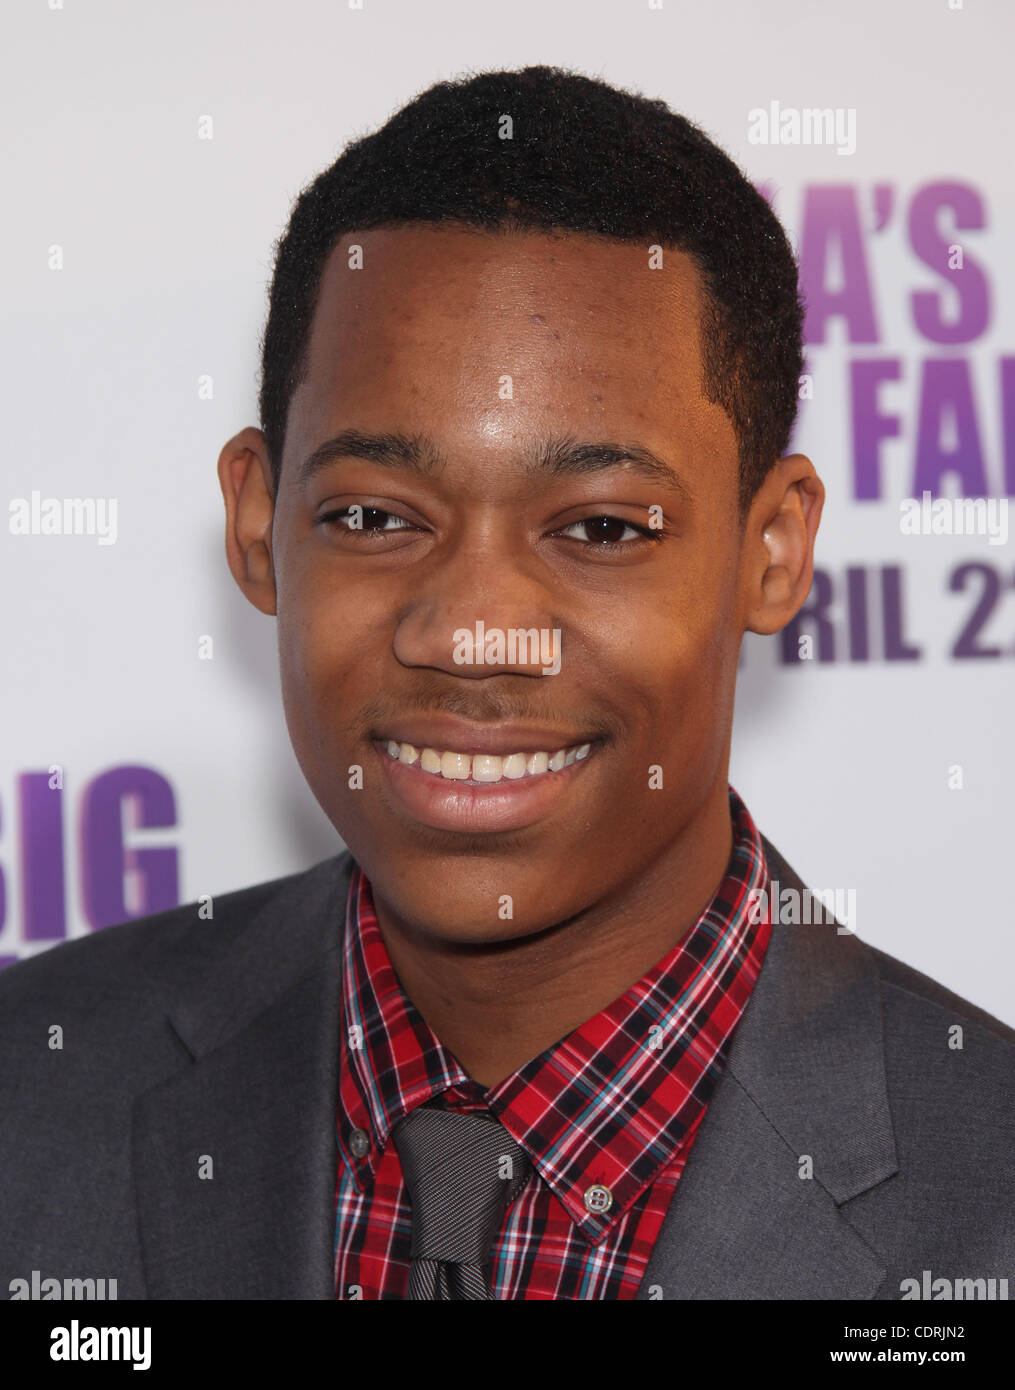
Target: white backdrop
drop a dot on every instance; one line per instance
(136, 256)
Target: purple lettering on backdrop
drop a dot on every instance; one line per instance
(946, 390)
(969, 283)
(830, 217)
(40, 809)
(106, 860)
(870, 425)
(813, 613)
(896, 648)
(856, 605)
(1008, 422)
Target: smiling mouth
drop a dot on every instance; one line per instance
(484, 769)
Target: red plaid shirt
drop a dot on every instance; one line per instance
(617, 1103)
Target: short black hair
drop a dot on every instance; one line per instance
(584, 157)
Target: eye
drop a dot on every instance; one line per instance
(606, 532)
(366, 519)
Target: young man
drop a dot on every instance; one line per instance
(529, 377)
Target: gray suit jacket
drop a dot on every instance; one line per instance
(184, 1037)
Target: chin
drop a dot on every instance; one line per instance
(470, 918)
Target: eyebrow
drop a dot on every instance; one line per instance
(418, 455)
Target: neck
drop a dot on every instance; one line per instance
(496, 1007)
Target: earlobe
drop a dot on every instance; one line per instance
(784, 519)
(776, 581)
(244, 477)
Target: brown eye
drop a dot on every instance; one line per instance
(605, 532)
(361, 519)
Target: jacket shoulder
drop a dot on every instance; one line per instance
(949, 1071)
(146, 958)
(907, 990)
(950, 1065)
(906, 993)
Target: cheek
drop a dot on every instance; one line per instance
(674, 661)
(324, 645)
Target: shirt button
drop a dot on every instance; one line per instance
(598, 1199)
(359, 1143)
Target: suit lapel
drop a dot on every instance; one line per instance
(234, 1156)
(804, 1079)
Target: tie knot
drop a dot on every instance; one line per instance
(461, 1170)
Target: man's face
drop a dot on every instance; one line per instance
(492, 347)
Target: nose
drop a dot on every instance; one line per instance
(481, 610)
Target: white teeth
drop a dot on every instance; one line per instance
(485, 767)
(455, 766)
(514, 765)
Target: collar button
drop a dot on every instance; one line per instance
(598, 1199)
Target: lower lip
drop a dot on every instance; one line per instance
(509, 804)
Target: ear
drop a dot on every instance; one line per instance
(245, 478)
(778, 544)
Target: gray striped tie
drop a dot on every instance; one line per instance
(462, 1171)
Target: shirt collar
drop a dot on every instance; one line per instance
(612, 1103)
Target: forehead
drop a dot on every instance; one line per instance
(414, 278)
(425, 323)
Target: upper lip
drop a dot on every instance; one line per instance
(465, 737)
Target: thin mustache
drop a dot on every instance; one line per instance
(487, 712)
